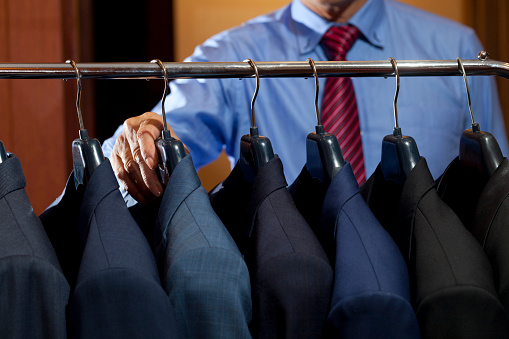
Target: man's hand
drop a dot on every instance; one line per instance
(134, 157)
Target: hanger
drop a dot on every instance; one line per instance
(171, 150)
(87, 153)
(324, 157)
(255, 150)
(3, 154)
(478, 150)
(399, 152)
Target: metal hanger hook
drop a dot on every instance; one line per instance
(462, 70)
(395, 67)
(317, 89)
(252, 63)
(165, 74)
(78, 97)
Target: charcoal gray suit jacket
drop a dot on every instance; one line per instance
(33, 290)
(483, 206)
(451, 278)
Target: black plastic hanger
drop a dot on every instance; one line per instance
(87, 153)
(171, 150)
(324, 157)
(399, 152)
(255, 150)
(3, 153)
(478, 150)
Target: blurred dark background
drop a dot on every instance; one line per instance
(129, 32)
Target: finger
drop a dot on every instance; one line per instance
(147, 176)
(128, 171)
(133, 171)
(125, 180)
(151, 180)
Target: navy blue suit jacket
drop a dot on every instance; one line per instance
(371, 294)
(33, 290)
(291, 278)
(118, 292)
(202, 270)
(453, 291)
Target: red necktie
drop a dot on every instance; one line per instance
(339, 107)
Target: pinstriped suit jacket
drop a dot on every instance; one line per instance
(201, 267)
(33, 290)
(291, 277)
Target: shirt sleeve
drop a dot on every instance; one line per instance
(200, 111)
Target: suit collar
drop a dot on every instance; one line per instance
(493, 195)
(183, 181)
(394, 206)
(102, 183)
(308, 195)
(475, 200)
(11, 176)
(320, 204)
(269, 179)
(236, 200)
(342, 188)
(416, 185)
(419, 183)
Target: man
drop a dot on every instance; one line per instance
(212, 114)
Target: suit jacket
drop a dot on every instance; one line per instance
(60, 221)
(371, 294)
(118, 292)
(33, 289)
(291, 277)
(202, 269)
(484, 209)
(453, 290)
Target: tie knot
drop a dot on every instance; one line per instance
(338, 40)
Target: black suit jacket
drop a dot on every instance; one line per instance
(33, 289)
(484, 208)
(60, 221)
(453, 290)
(291, 277)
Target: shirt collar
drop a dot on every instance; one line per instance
(311, 27)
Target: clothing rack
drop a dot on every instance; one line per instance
(147, 70)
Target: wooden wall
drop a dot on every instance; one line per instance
(197, 20)
(38, 116)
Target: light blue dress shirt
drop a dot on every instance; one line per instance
(209, 114)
